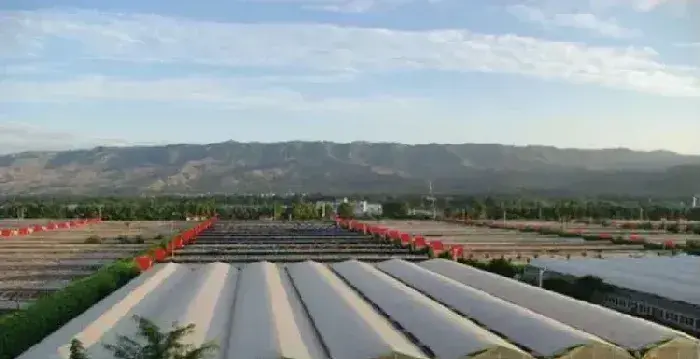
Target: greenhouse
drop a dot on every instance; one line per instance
(540, 335)
(640, 337)
(444, 333)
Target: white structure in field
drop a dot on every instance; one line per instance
(360, 208)
(364, 208)
(695, 201)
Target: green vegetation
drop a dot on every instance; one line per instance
(94, 239)
(20, 330)
(279, 207)
(395, 209)
(499, 266)
(583, 288)
(152, 343)
(345, 210)
(77, 350)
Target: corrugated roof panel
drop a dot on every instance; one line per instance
(672, 289)
(542, 335)
(264, 323)
(163, 305)
(350, 328)
(448, 335)
(681, 269)
(624, 330)
(105, 315)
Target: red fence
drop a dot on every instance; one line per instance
(51, 226)
(179, 241)
(415, 242)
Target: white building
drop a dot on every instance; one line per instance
(363, 208)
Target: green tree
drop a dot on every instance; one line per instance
(395, 209)
(77, 350)
(345, 210)
(152, 343)
(304, 211)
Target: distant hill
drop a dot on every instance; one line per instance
(349, 168)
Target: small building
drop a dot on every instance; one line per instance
(364, 208)
(360, 208)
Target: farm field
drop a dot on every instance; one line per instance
(15, 223)
(485, 243)
(650, 235)
(47, 261)
(253, 241)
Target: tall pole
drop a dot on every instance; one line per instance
(432, 199)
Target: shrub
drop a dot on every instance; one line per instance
(159, 237)
(21, 330)
(498, 266)
(94, 239)
(673, 228)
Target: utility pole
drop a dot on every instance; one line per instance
(540, 279)
(505, 220)
(432, 199)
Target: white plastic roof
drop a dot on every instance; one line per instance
(631, 275)
(624, 330)
(542, 335)
(350, 327)
(682, 268)
(266, 303)
(447, 334)
(307, 311)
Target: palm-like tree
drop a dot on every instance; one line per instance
(152, 343)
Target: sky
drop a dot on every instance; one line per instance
(567, 73)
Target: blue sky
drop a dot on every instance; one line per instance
(569, 73)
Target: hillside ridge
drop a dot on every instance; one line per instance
(355, 167)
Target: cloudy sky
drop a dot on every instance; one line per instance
(573, 73)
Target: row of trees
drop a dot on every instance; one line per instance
(299, 207)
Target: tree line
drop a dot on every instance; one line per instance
(317, 207)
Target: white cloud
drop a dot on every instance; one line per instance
(602, 5)
(692, 45)
(583, 21)
(231, 93)
(328, 48)
(15, 137)
(346, 6)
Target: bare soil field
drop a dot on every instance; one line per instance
(47, 261)
(654, 236)
(484, 243)
(16, 223)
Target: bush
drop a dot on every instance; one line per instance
(498, 266)
(21, 330)
(159, 237)
(646, 226)
(93, 240)
(673, 228)
(582, 288)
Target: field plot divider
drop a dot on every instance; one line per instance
(178, 241)
(435, 247)
(52, 226)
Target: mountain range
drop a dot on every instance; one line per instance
(340, 168)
